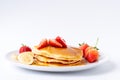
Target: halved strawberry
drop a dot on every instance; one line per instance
(61, 41)
(54, 43)
(43, 43)
(24, 48)
(92, 55)
(83, 47)
(86, 51)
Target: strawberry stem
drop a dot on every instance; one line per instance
(23, 44)
(80, 44)
(96, 44)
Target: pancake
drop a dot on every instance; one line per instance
(39, 63)
(54, 56)
(69, 53)
(52, 60)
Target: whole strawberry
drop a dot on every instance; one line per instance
(24, 48)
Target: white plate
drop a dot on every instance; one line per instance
(101, 60)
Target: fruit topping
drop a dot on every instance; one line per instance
(26, 57)
(57, 42)
(54, 43)
(24, 48)
(83, 47)
(43, 43)
(90, 53)
(61, 41)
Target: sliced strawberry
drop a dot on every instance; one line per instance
(61, 41)
(54, 43)
(43, 43)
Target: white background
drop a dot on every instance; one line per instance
(77, 21)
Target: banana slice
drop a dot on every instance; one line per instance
(26, 57)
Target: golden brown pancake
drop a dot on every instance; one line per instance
(52, 60)
(39, 63)
(53, 56)
(69, 53)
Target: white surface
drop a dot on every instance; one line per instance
(27, 21)
(102, 59)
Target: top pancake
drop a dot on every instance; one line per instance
(69, 53)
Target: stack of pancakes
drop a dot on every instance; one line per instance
(53, 56)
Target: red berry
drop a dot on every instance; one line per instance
(83, 48)
(61, 41)
(54, 43)
(92, 55)
(43, 44)
(24, 48)
(86, 51)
